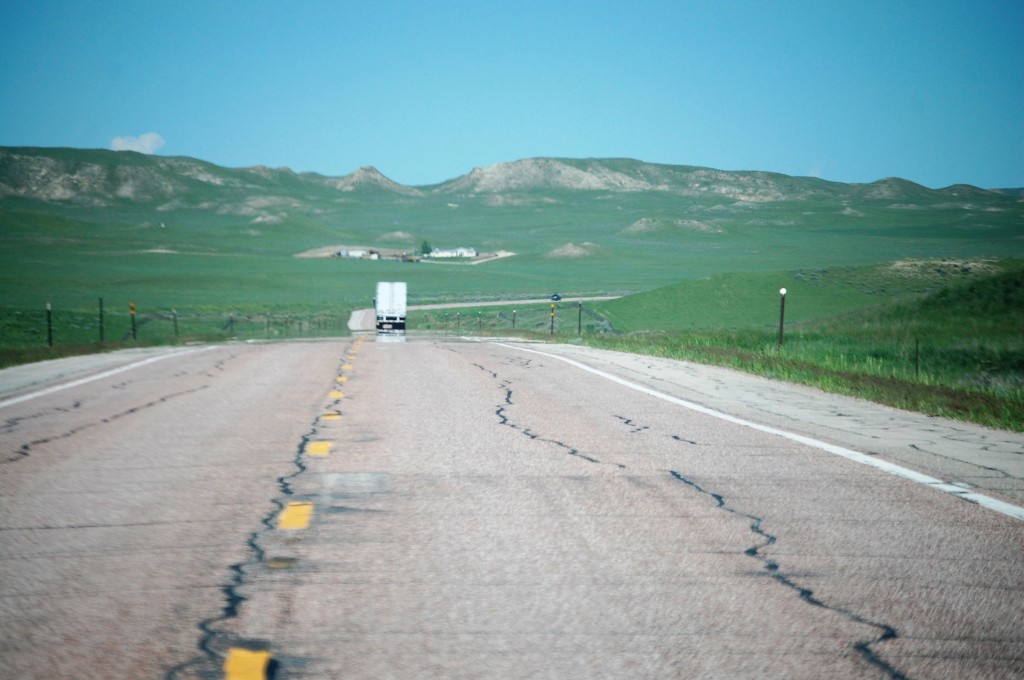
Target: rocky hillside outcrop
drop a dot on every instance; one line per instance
(627, 175)
(100, 177)
(368, 178)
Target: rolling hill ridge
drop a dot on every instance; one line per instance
(100, 177)
(176, 231)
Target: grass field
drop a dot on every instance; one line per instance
(865, 267)
(230, 245)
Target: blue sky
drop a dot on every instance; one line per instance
(424, 91)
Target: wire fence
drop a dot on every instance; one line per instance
(564, 318)
(35, 334)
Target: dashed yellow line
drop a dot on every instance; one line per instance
(318, 448)
(246, 664)
(296, 515)
(282, 562)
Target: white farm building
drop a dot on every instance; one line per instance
(452, 252)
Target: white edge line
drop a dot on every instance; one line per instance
(99, 376)
(999, 506)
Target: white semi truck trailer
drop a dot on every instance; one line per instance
(391, 307)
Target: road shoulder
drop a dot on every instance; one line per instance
(960, 453)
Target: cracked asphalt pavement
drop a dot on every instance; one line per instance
(366, 508)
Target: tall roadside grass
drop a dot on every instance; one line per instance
(957, 353)
(985, 393)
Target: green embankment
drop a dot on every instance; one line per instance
(957, 351)
(944, 337)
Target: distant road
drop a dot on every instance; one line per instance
(365, 319)
(443, 507)
(362, 320)
(496, 303)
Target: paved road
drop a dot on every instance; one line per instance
(975, 459)
(126, 498)
(436, 508)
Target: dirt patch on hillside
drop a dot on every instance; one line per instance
(915, 269)
(585, 249)
(397, 236)
(646, 225)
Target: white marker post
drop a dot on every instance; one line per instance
(782, 313)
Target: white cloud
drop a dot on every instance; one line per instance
(150, 143)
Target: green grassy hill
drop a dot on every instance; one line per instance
(957, 351)
(733, 301)
(76, 224)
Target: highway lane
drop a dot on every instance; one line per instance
(125, 499)
(438, 508)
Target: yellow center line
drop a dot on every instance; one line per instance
(246, 664)
(342, 378)
(346, 367)
(336, 395)
(282, 562)
(331, 415)
(318, 448)
(296, 515)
